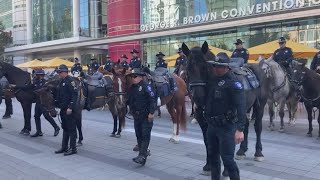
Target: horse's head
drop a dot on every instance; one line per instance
(298, 73)
(198, 70)
(47, 100)
(119, 83)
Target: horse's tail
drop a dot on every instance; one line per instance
(183, 117)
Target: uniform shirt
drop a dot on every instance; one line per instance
(95, 65)
(141, 98)
(161, 63)
(315, 62)
(283, 56)
(135, 63)
(226, 94)
(241, 53)
(180, 60)
(36, 84)
(124, 64)
(76, 68)
(108, 66)
(67, 93)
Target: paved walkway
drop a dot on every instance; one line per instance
(290, 155)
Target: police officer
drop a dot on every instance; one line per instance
(180, 60)
(76, 68)
(66, 99)
(124, 63)
(141, 100)
(161, 62)
(94, 65)
(315, 64)
(283, 55)
(108, 65)
(240, 52)
(225, 113)
(135, 62)
(37, 83)
(8, 101)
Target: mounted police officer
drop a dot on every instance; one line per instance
(66, 99)
(135, 62)
(37, 83)
(315, 64)
(124, 63)
(76, 68)
(283, 55)
(182, 59)
(160, 61)
(8, 101)
(225, 113)
(94, 66)
(240, 52)
(141, 100)
(108, 65)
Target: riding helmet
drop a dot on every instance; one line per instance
(222, 59)
(62, 68)
(39, 72)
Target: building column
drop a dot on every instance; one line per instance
(29, 21)
(76, 53)
(76, 17)
(29, 57)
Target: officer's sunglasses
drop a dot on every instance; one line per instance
(281, 42)
(134, 76)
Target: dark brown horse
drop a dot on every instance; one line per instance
(176, 106)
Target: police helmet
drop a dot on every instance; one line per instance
(222, 59)
(281, 40)
(62, 68)
(39, 72)
(137, 71)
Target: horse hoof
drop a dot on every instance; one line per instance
(206, 173)
(240, 157)
(173, 141)
(112, 135)
(281, 130)
(194, 121)
(271, 128)
(79, 143)
(259, 159)
(118, 135)
(225, 178)
(309, 135)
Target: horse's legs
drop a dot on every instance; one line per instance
(258, 156)
(319, 121)
(271, 114)
(121, 118)
(309, 111)
(244, 144)
(173, 118)
(27, 117)
(281, 114)
(79, 127)
(159, 111)
(115, 124)
(192, 106)
(290, 112)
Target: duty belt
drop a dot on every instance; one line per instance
(222, 119)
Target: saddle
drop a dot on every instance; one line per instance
(244, 74)
(161, 78)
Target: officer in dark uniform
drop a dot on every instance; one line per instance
(108, 65)
(124, 63)
(315, 64)
(141, 100)
(94, 64)
(66, 99)
(240, 52)
(283, 55)
(8, 101)
(76, 68)
(37, 83)
(225, 113)
(182, 59)
(161, 62)
(135, 62)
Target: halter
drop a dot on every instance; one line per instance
(283, 82)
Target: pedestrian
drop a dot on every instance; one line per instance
(225, 113)
(135, 62)
(67, 96)
(283, 55)
(37, 83)
(141, 100)
(240, 52)
(182, 59)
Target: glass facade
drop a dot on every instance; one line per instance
(6, 13)
(93, 18)
(304, 31)
(52, 20)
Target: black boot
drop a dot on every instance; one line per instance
(234, 175)
(73, 146)
(56, 131)
(6, 116)
(171, 84)
(38, 133)
(143, 153)
(65, 140)
(0, 126)
(216, 173)
(136, 148)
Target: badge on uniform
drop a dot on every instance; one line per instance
(221, 83)
(238, 85)
(286, 51)
(242, 52)
(73, 83)
(149, 88)
(151, 94)
(63, 84)
(140, 88)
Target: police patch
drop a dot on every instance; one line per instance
(151, 94)
(149, 88)
(238, 85)
(221, 83)
(63, 84)
(73, 83)
(140, 88)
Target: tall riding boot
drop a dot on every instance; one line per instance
(171, 84)
(215, 173)
(143, 153)
(234, 175)
(137, 148)
(73, 144)
(38, 127)
(64, 146)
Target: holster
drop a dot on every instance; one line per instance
(222, 119)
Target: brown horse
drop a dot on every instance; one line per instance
(176, 106)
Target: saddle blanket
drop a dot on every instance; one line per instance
(244, 74)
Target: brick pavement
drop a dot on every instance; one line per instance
(290, 155)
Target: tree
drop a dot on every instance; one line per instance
(4, 40)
